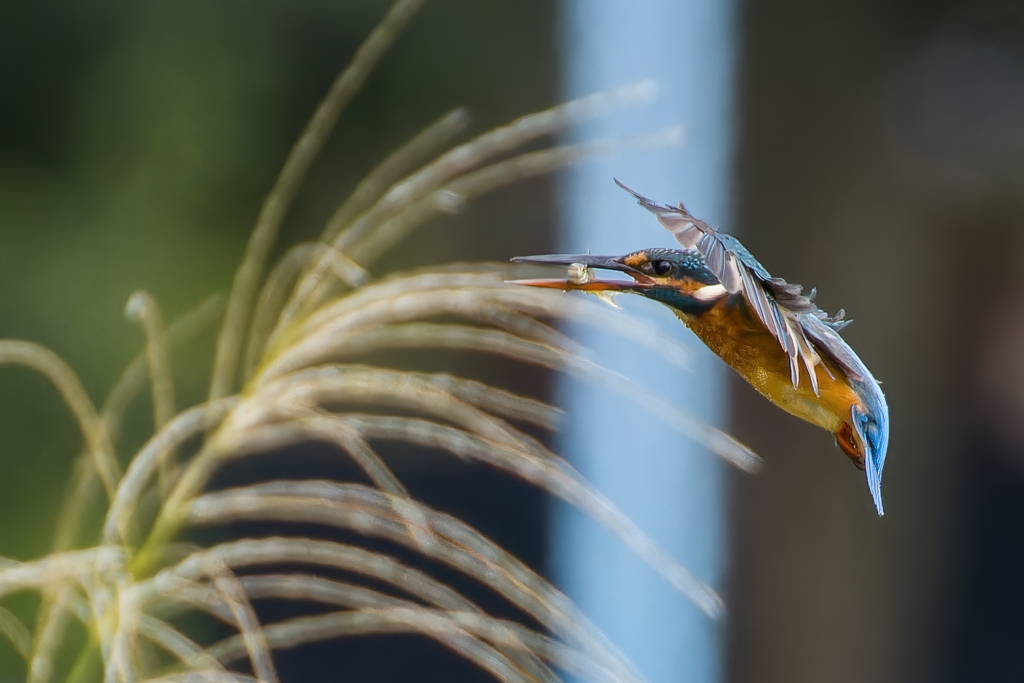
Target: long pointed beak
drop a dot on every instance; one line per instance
(580, 276)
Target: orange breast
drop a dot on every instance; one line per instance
(739, 338)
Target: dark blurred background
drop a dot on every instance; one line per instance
(879, 156)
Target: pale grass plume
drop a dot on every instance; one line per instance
(290, 352)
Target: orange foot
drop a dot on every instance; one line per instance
(848, 442)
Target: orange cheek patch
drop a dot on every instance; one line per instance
(686, 286)
(635, 260)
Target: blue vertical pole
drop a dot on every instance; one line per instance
(671, 486)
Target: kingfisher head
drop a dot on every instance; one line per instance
(678, 278)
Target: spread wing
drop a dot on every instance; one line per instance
(801, 328)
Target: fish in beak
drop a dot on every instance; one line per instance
(581, 276)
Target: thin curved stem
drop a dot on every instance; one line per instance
(437, 625)
(453, 543)
(272, 299)
(450, 197)
(469, 294)
(276, 205)
(385, 174)
(514, 639)
(215, 675)
(16, 633)
(82, 488)
(251, 632)
(143, 308)
(150, 458)
(50, 626)
(173, 584)
(497, 342)
(131, 381)
(176, 643)
(46, 362)
(559, 479)
(454, 163)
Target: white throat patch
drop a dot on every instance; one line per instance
(710, 293)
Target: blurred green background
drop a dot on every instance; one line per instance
(879, 157)
(137, 141)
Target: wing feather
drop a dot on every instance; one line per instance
(731, 276)
(792, 347)
(758, 300)
(713, 251)
(781, 306)
(811, 360)
(828, 341)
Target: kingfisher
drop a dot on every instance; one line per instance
(764, 327)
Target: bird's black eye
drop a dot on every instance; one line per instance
(661, 267)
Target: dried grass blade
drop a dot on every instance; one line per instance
(55, 569)
(46, 362)
(251, 633)
(82, 489)
(302, 630)
(176, 643)
(167, 584)
(120, 648)
(511, 636)
(50, 629)
(385, 174)
(345, 270)
(186, 425)
(207, 676)
(135, 375)
(306, 588)
(271, 300)
(494, 400)
(524, 325)
(326, 347)
(309, 588)
(16, 632)
(503, 139)
(556, 478)
(367, 192)
(365, 385)
(311, 388)
(371, 512)
(276, 205)
(462, 337)
(475, 297)
(448, 198)
(274, 304)
(330, 428)
(464, 158)
(142, 308)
